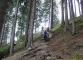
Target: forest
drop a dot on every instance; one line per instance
(21, 22)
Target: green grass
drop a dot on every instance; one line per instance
(3, 49)
(19, 47)
(76, 56)
(79, 25)
(19, 44)
(77, 20)
(56, 27)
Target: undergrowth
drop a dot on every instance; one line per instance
(66, 36)
(3, 49)
(56, 28)
(20, 42)
(76, 56)
(35, 36)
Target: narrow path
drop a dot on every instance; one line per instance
(40, 51)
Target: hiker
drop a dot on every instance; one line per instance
(45, 35)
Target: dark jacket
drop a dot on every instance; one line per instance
(45, 34)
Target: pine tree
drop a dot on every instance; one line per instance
(13, 30)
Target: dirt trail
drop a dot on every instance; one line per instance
(56, 48)
(38, 52)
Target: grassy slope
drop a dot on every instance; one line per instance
(66, 45)
(2, 49)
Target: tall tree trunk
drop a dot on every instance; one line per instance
(3, 4)
(49, 21)
(62, 9)
(73, 22)
(51, 14)
(1, 37)
(75, 8)
(31, 25)
(21, 28)
(69, 8)
(13, 30)
(79, 6)
(27, 23)
(21, 32)
(82, 8)
(66, 17)
(49, 18)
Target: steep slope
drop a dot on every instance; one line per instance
(67, 46)
(61, 46)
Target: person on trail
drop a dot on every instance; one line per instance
(45, 35)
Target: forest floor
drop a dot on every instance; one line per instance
(61, 46)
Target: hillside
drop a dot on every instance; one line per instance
(63, 45)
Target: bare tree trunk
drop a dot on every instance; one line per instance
(1, 37)
(73, 22)
(49, 18)
(51, 14)
(27, 23)
(79, 6)
(82, 8)
(30, 36)
(66, 17)
(75, 8)
(3, 4)
(69, 8)
(62, 9)
(13, 30)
